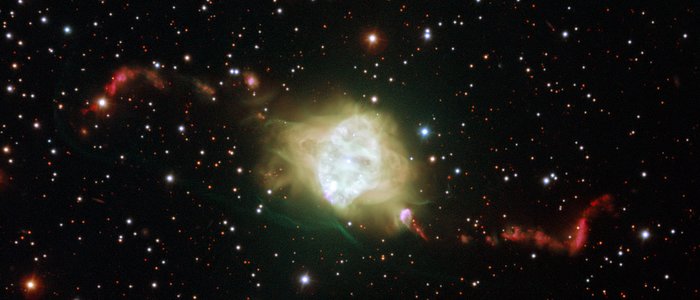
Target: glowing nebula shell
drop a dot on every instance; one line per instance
(349, 161)
(346, 156)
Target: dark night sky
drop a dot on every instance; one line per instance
(133, 137)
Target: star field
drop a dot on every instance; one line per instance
(546, 150)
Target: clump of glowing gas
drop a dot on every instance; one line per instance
(348, 158)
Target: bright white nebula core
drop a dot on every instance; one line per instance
(349, 161)
(347, 157)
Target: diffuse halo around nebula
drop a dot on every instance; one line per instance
(344, 156)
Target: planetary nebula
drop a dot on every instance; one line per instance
(346, 157)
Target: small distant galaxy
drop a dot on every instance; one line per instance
(334, 150)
